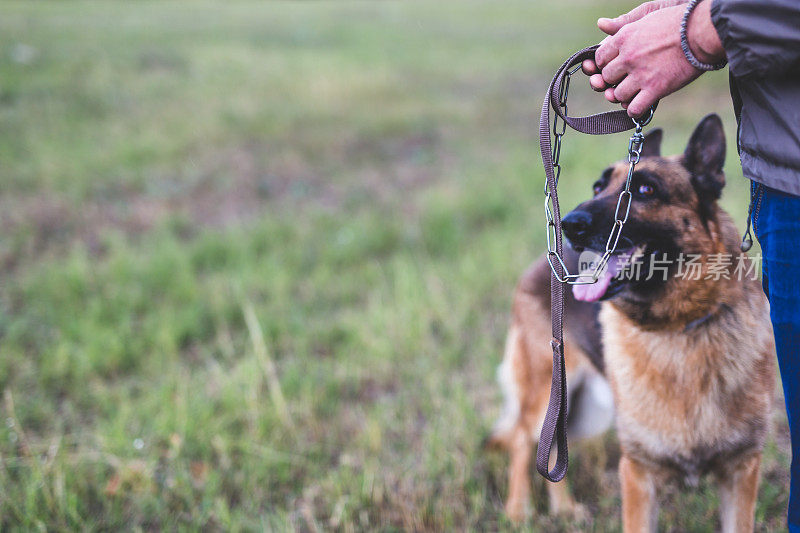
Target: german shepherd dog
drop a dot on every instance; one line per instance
(689, 359)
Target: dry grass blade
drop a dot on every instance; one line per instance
(266, 363)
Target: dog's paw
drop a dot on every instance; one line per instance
(516, 511)
(578, 512)
(573, 510)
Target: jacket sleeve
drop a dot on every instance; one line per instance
(760, 37)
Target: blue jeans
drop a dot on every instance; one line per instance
(776, 221)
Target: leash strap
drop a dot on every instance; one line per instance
(554, 427)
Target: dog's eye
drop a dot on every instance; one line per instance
(597, 188)
(646, 190)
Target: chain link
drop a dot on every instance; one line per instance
(623, 209)
(560, 125)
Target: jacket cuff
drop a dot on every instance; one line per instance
(733, 50)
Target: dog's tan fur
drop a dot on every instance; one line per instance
(689, 400)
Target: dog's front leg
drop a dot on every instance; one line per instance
(639, 504)
(519, 482)
(738, 490)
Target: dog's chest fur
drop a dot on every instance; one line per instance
(690, 401)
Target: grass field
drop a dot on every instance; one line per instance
(257, 261)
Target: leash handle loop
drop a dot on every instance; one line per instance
(554, 428)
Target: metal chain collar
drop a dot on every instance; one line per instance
(635, 145)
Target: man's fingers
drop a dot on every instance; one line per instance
(609, 94)
(597, 83)
(589, 67)
(640, 104)
(626, 90)
(605, 53)
(614, 72)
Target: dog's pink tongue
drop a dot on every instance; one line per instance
(591, 292)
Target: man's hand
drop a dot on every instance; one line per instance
(612, 26)
(642, 61)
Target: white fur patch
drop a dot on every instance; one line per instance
(591, 411)
(505, 378)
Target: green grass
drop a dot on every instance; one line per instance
(257, 262)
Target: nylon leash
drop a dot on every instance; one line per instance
(554, 428)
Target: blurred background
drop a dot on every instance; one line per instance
(257, 261)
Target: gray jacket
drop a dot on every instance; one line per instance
(762, 41)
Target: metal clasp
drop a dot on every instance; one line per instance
(641, 123)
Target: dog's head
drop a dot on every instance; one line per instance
(673, 210)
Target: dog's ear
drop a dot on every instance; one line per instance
(704, 157)
(652, 143)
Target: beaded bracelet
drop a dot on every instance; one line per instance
(696, 63)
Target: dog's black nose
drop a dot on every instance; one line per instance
(577, 224)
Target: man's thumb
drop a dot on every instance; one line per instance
(612, 26)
